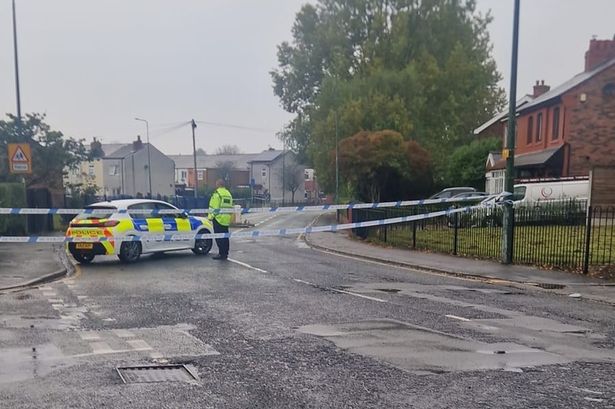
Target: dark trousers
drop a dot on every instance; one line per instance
(223, 244)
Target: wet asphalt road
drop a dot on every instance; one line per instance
(284, 326)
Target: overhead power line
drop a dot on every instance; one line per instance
(244, 128)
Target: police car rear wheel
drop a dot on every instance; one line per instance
(130, 251)
(202, 246)
(83, 258)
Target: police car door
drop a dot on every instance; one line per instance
(145, 222)
(175, 222)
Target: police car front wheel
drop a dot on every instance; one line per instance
(202, 246)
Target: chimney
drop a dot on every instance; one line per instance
(96, 149)
(137, 145)
(600, 51)
(540, 88)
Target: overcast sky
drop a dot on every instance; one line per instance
(92, 66)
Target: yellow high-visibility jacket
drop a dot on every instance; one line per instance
(221, 198)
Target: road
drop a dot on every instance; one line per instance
(283, 326)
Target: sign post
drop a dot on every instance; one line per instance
(20, 158)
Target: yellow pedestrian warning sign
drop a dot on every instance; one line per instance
(20, 158)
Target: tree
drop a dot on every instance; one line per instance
(224, 170)
(293, 177)
(52, 152)
(422, 68)
(201, 151)
(383, 166)
(228, 150)
(466, 165)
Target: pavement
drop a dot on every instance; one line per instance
(561, 282)
(29, 264)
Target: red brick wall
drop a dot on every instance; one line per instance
(547, 140)
(599, 51)
(591, 126)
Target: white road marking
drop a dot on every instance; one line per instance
(342, 291)
(45, 288)
(82, 297)
(139, 345)
(123, 333)
(55, 300)
(89, 336)
(49, 294)
(101, 348)
(109, 319)
(248, 266)
(156, 355)
(57, 306)
(457, 318)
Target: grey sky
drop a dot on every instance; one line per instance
(93, 66)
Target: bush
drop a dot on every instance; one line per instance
(12, 195)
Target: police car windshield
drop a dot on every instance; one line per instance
(100, 212)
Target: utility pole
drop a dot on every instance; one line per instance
(196, 174)
(284, 173)
(149, 158)
(16, 65)
(509, 151)
(337, 165)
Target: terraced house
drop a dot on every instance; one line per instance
(564, 131)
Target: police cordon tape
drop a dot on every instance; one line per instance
(243, 210)
(239, 234)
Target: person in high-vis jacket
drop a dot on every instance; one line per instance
(221, 199)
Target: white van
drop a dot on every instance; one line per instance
(533, 193)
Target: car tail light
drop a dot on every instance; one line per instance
(96, 223)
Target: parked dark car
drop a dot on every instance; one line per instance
(452, 191)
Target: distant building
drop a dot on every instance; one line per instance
(270, 172)
(565, 131)
(235, 169)
(125, 171)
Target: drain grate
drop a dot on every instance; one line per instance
(549, 286)
(156, 373)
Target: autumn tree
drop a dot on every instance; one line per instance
(382, 166)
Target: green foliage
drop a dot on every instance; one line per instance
(12, 195)
(466, 165)
(52, 152)
(381, 166)
(422, 68)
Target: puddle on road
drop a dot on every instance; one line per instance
(423, 351)
(19, 364)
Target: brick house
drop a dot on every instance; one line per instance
(567, 130)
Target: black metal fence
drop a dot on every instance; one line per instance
(566, 235)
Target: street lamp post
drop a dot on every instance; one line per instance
(196, 173)
(149, 158)
(509, 152)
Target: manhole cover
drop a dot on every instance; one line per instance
(549, 286)
(156, 373)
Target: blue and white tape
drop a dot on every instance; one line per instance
(287, 209)
(238, 234)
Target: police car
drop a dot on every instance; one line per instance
(122, 218)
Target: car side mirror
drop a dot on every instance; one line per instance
(183, 215)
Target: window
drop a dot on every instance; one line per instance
(530, 129)
(555, 133)
(184, 174)
(519, 193)
(539, 127)
(264, 172)
(144, 210)
(91, 169)
(114, 170)
(609, 90)
(199, 174)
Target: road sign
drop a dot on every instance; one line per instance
(20, 158)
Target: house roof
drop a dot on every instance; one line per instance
(111, 148)
(124, 151)
(568, 85)
(240, 161)
(502, 115)
(267, 156)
